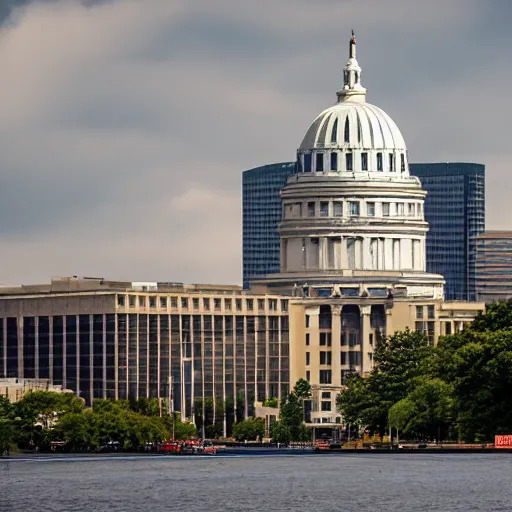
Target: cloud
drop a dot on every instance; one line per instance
(125, 125)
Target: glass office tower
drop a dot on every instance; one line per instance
(261, 215)
(455, 211)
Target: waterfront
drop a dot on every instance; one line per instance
(416, 482)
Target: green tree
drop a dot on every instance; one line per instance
(401, 414)
(478, 365)
(249, 429)
(281, 432)
(291, 414)
(302, 389)
(398, 361)
(271, 402)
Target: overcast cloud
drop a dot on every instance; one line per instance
(125, 125)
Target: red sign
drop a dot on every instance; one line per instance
(503, 441)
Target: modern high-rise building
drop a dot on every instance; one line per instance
(494, 266)
(261, 214)
(455, 211)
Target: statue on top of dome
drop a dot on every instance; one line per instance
(353, 38)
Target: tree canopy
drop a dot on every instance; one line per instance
(459, 389)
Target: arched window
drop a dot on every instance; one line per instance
(347, 131)
(402, 162)
(334, 133)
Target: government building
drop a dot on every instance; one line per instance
(352, 270)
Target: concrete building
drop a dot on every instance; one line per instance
(15, 389)
(494, 266)
(455, 211)
(261, 213)
(353, 241)
(106, 339)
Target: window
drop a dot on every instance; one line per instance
(307, 320)
(132, 301)
(326, 395)
(227, 304)
(142, 302)
(325, 376)
(311, 209)
(249, 304)
(261, 304)
(343, 358)
(334, 161)
(238, 304)
(184, 302)
(319, 162)
(402, 162)
(337, 207)
(391, 162)
(334, 132)
(307, 162)
(347, 131)
(206, 304)
(419, 312)
(195, 303)
(325, 339)
(308, 362)
(370, 209)
(400, 207)
(308, 375)
(348, 161)
(326, 406)
(163, 302)
(364, 161)
(217, 304)
(431, 312)
(272, 304)
(325, 357)
(379, 161)
(371, 339)
(174, 302)
(324, 209)
(385, 209)
(152, 302)
(411, 210)
(120, 301)
(307, 339)
(354, 207)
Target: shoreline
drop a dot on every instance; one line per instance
(242, 451)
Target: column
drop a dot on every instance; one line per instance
(336, 344)
(366, 256)
(389, 321)
(365, 337)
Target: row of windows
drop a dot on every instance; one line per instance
(352, 357)
(420, 312)
(152, 301)
(324, 162)
(352, 208)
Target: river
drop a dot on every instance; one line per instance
(309, 483)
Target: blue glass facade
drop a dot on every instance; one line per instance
(455, 210)
(261, 215)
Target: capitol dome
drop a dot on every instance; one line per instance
(353, 136)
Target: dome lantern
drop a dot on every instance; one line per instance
(352, 89)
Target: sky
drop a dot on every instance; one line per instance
(125, 125)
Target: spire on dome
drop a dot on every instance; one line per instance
(352, 89)
(352, 47)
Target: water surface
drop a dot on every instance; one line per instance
(371, 482)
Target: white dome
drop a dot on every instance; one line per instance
(354, 138)
(351, 125)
